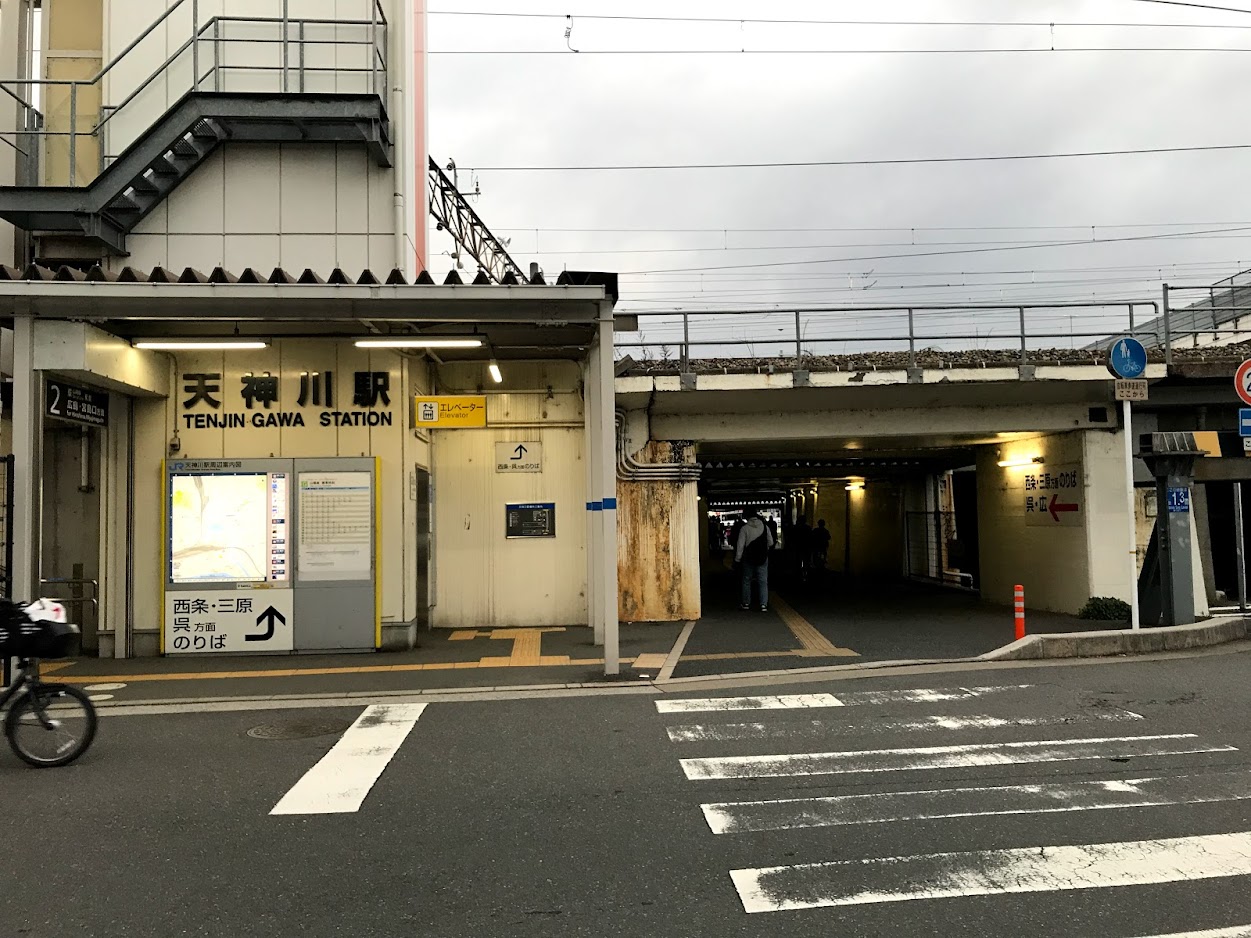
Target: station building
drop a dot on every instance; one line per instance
(243, 418)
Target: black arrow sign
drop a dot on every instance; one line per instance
(267, 619)
(520, 451)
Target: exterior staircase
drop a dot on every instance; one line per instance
(227, 103)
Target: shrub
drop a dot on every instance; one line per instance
(1106, 609)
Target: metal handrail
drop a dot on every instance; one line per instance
(915, 334)
(76, 583)
(210, 31)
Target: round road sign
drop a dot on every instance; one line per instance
(1242, 382)
(1127, 358)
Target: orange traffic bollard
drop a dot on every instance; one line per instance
(1020, 612)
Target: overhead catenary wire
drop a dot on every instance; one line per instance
(770, 21)
(945, 253)
(1006, 50)
(882, 161)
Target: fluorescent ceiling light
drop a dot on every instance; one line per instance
(176, 345)
(855, 487)
(419, 343)
(495, 373)
(1020, 461)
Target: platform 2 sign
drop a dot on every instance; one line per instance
(1054, 497)
(77, 405)
(535, 519)
(211, 620)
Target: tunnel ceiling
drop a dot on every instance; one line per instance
(786, 461)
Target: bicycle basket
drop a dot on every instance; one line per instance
(22, 638)
(49, 640)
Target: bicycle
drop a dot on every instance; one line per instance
(48, 725)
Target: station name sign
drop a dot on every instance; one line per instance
(259, 401)
(76, 404)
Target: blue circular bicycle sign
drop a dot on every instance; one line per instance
(1127, 358)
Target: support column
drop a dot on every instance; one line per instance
(606, 490)
(591, 408)
(25, 529)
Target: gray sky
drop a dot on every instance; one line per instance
(578, 109)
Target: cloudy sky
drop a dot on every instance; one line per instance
(507, 93)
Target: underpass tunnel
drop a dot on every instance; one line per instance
(865, 518)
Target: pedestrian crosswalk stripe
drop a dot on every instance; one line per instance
(944, 757)
(339, 783)
(724, 732)
(1051, 798)
(854, 698)
(993, 872)
(1238, 931)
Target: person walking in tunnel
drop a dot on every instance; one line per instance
(755, 541)
(820, 546)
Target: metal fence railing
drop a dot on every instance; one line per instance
(914, 336)
(933, 336)
(65, 132)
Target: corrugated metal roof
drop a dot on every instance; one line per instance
(336, 277)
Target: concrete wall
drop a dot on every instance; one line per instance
(483, 580)
(1052, 563)
(265, 206)
(660, 529)
(877, 547)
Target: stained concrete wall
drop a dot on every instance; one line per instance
(660, 527)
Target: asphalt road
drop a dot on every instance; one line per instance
(583, 816)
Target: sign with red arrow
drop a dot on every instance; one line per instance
(1054, 497)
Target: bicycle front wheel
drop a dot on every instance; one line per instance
(51, 725)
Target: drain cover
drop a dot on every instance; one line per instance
(300, 729)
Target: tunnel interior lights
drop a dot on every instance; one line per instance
(855, 486)
(184, 345)
(414, 342)
(1018, 461)
(494, 369)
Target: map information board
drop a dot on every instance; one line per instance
(227, 527)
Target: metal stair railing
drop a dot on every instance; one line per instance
(271, 54)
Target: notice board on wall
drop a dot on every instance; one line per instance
(336, 526)
(530, 519)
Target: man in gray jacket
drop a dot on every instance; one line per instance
(752, 551)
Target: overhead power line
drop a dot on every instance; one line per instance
(874, 257)
(1194, 6)
(1005, 50)
(896, 228)
(898, 161)
(767, 21)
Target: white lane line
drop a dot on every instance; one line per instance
(803, 701)
(339, 783)
(744, 817)
(724, 732)
(943, 757)
(101, 687)
(993, 872)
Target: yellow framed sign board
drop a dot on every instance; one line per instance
(450, 412)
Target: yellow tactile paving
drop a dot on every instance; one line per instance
(812, 643)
